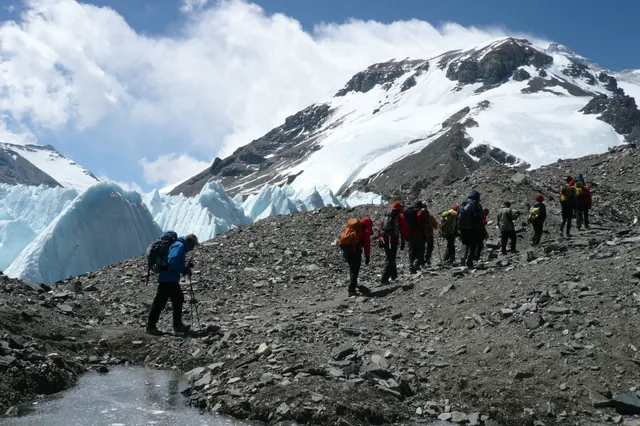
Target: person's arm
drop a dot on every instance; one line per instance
(404, 229)
(366, 243)
(177, 258)
(434, 222)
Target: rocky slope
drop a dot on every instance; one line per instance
(421, 122)
(547, 336)
(14, 170)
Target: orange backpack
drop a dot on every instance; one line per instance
(352, 233)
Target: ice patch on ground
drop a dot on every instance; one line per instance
(358, 198)
(102, 226)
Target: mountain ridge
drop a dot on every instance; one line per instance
(380, 112)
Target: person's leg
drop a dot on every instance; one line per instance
(429, 249)
(413, 249)
(177, 300)
(579, 217)
(586, 216)
(514, 238)
(159, 302)
(386, 272)
(504, 237)
(394, 266)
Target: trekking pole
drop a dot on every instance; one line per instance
(194, 304)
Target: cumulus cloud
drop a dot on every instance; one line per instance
(171, 168)
(231, 74)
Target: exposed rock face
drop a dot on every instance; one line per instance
(580, 70)
(540, 84)
(251, 158)
(378, 74)
(14, 170)
(490, 154)
(620, 111)
(521, 75)
(496, 64)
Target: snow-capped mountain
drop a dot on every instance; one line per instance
(54, 168)
(402, 124)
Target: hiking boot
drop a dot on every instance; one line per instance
(153, 331)
(384, 281)
(182, 329)
(352, 293)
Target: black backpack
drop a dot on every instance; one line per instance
(391, 224)
(158, 253)
(467, 215)
(411, 216)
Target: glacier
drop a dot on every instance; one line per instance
(48, 234)
(103, 225)
(25, 211)
(207, 215)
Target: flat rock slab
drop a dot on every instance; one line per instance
(627, 404)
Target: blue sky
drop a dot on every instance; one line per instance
(159, 80)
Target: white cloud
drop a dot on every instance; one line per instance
(189, 6)
(19, 137)
(171, 168)
(229, 76)
(127, 186)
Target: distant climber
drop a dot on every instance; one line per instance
(537, 217)
(391, 234)
(568, 202)
(584, 201)
(169, 284)
(469, 219)
(431, 225)
(483, 235)
(417, 235)
(355, 237)
(506, 223)
(449, 231)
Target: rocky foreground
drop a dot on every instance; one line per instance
(548, 336)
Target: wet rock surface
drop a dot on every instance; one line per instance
(545, 336)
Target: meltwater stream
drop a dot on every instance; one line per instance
(125, 396)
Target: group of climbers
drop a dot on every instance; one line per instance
(416, 226)
(576, 201)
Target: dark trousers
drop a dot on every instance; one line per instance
(165, 292)
(429, 253)
(353, 258)
(470, 240)
(450, 253)
(390, 267)
(508, 236)
(416, 252)
(583, 215)
(567, 217)
(482, 235)
(537, 232)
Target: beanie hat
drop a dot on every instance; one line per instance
(569, 179)
(192, 240)
(456, 207)
(507, 203)
(397, 205)
(539, 198)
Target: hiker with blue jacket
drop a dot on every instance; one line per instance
(470, 215)
(169, 285)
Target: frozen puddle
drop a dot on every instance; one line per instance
(126, 396)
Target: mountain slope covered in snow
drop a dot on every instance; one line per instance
(400, 125)
(16, 170)
(50, 162)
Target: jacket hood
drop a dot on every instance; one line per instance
(507, 204)
(397, 205)
(367, 222)
(474, 195)
(183, 240)
(456, 207)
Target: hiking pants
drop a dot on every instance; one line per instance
(450, 253)
(353, 257)
(567, 217)
(537, 232)
(165, 292)
(429, 253)
(390, 267)
(506, 236)
(469, 238)
(583, 215)
(416, 252)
